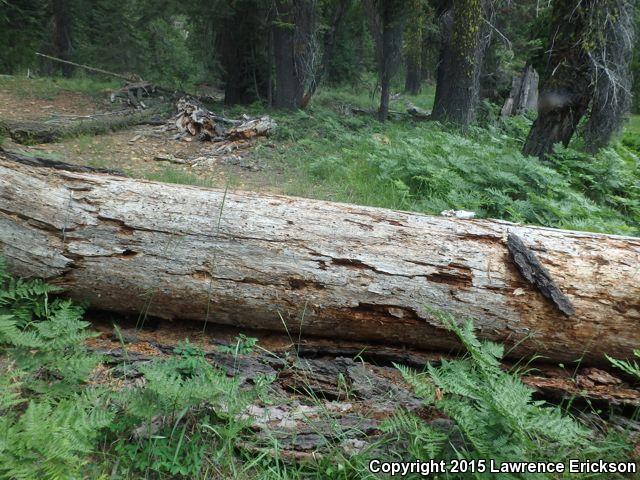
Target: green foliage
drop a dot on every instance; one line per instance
(425, 167)
(183, 401)
(494, 412)
(42, 392)
(630, 367)
(244, 345)
(22, 29)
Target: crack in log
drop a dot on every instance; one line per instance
(39, 224)
(453, 279)
(302, 283)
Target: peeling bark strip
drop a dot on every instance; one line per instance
(320, 268)
(536, 274)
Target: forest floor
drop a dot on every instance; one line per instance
(334, 151)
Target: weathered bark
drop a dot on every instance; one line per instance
(465, 40)
(524, 93)
(567, 87)
(194, 119)
(320, 268)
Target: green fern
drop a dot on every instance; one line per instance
(631, 367)
(494, 411)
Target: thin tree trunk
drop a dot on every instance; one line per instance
(567, 86)
(293, 38)
(391, 14)
(329, 44)
(413, 53)
(315, 268)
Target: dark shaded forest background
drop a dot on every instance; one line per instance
(279, 51)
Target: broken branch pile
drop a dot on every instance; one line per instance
(195, 119)
(133, 93)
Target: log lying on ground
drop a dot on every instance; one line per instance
(320, 268)
(56, 129)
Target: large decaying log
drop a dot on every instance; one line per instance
(56, 129)
(320, 268)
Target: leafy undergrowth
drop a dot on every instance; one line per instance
(180, 419)
(427, 167)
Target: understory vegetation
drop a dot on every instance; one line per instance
(429, 167)
(181, 418)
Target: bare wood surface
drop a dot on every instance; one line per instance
(320, 268)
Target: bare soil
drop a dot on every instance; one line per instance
(145, 151)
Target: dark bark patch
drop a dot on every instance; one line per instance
(534, 272)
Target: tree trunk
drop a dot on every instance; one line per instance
(244, 74)
(329, 44)
(465, 39)
(613, 80)
(413, 51)
(61, 34)
(294, 48)
(391, 24)
(567, 86)
(318, 268)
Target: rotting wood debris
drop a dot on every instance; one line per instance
(320, 395)
(194, 119)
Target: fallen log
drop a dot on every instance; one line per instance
(315, 268)
(55, 129)
(35, 161)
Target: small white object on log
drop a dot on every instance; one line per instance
(461, 214)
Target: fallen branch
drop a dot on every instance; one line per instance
(87, 67)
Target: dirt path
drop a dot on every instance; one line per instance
(17, 107)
